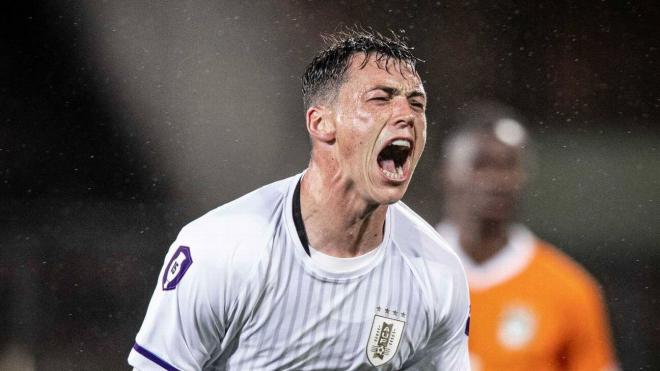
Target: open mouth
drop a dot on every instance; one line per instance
(393, 160)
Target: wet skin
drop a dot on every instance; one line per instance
(345, 191)
(372, 108)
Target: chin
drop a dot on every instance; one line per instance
(495, 217)
(387, 195)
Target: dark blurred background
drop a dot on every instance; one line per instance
(122, 121)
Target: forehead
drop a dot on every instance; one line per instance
(392, 73)
(479, 146)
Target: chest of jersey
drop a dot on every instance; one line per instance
(511, 332)
(300, 320)
(520, 324)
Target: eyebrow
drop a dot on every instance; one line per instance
(394, 91)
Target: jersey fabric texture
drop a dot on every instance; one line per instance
(533, 308)
(239, 292)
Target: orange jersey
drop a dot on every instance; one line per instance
(533, 308)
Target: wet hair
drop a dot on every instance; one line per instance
(325, 74)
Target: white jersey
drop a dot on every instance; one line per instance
(239, 292)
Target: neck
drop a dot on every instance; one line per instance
(481, 239)
(338, 221)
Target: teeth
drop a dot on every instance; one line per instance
(401, 143)
(397, 175)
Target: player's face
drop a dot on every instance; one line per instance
(488, 176)
(380, 125)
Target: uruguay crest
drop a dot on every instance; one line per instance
(385, 336)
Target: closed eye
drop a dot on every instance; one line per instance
(381, 93)
(380, 99)
(418, 105)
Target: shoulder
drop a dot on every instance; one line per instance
(416, 238)
(237, 233)
(437, 267)
(565, 273)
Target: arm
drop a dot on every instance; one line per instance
(590, 347)
(184, 325)
(451, 349)
(447, 348)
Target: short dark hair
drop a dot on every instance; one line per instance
(483, 116)
(326, 72)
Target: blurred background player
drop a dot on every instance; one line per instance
(533, 308)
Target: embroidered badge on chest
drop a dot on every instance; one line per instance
(385, 335)
(177, 267)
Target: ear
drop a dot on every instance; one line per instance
(320, 124)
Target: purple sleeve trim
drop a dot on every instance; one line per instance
(154, 358)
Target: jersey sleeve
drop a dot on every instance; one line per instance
(452, 352)
(590, 347)
(186, 320)
(447, 348)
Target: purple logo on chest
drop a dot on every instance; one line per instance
(177, 267)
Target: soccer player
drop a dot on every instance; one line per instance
(326, 269)
(533, 308)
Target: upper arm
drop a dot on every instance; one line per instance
(185, 320)
(447, 348)
(590, 347)
(452, 352)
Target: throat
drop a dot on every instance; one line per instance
(481, 246)
(337, 222)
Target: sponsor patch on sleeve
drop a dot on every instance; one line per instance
(177, 267)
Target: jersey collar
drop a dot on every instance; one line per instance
(301, 244)
(505, 264)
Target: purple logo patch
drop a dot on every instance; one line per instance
(177, 267)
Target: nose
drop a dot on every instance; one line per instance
(402, 112)
(503, 182)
